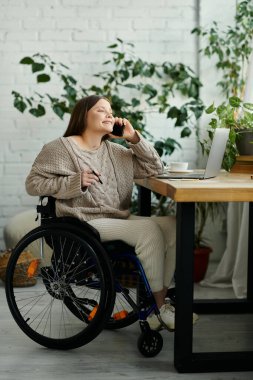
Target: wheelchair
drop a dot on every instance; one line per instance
(80, 285)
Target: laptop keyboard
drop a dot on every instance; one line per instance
(182, 176)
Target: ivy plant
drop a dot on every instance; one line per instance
(231, 47)
(151, 87)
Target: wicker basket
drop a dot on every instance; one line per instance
(23, 275)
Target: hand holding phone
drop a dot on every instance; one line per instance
(118, 130)
(123, 128)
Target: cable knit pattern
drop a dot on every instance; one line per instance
(57, 172)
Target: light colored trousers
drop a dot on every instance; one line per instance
(154, 239)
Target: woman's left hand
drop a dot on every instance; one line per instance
(129, 132)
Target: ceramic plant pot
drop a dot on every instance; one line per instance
(244, 142)
(201, 259)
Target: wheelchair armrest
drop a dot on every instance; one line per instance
(47, 210)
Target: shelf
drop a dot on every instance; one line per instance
(243, 164)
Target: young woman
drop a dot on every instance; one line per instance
(92, 179)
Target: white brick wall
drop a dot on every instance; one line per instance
(76, 32)
(209, 76)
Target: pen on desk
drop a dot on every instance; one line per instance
(97, 176)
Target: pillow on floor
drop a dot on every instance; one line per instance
(18, 226)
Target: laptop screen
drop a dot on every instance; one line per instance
(217, 151)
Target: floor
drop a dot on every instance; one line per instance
(114, 354)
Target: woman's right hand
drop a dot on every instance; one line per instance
(88, 177)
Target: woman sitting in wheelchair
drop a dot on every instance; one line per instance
(91, 179)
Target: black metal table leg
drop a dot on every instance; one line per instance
(250, 256)
(184, 359)
(184, 285)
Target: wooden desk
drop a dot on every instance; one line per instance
(232, 187)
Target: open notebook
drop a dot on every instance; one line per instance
(214, 161)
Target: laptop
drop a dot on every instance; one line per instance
(214, 161)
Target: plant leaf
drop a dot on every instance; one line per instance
(210, 109)
(173, 113)
(130, 85)
(43, 78)
(248, 106)
(58, 110)
(38, 112)
(186, 132)
(19, 104)
(37, 67)
(159, 146)
(27, 61)
(234, 101)
(112, 46)
(135, 102)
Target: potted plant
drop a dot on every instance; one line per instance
(238, 117)
(202, 248)
(231, 47)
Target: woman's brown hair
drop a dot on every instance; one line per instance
(78, 120)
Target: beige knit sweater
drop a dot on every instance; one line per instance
(57, 172)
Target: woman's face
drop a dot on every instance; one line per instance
(100, 118)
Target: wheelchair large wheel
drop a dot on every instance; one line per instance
(72, 291)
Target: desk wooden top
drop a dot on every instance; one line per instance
(227, 187)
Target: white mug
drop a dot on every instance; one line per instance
(174, 166)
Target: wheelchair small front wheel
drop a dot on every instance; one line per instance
(150, 343)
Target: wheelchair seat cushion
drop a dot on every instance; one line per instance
(113, 246)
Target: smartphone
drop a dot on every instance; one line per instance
(118, 130)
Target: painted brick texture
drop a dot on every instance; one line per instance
(77, 32)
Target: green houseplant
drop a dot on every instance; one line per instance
(231, 48)
(238, 117)
(149, 87)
